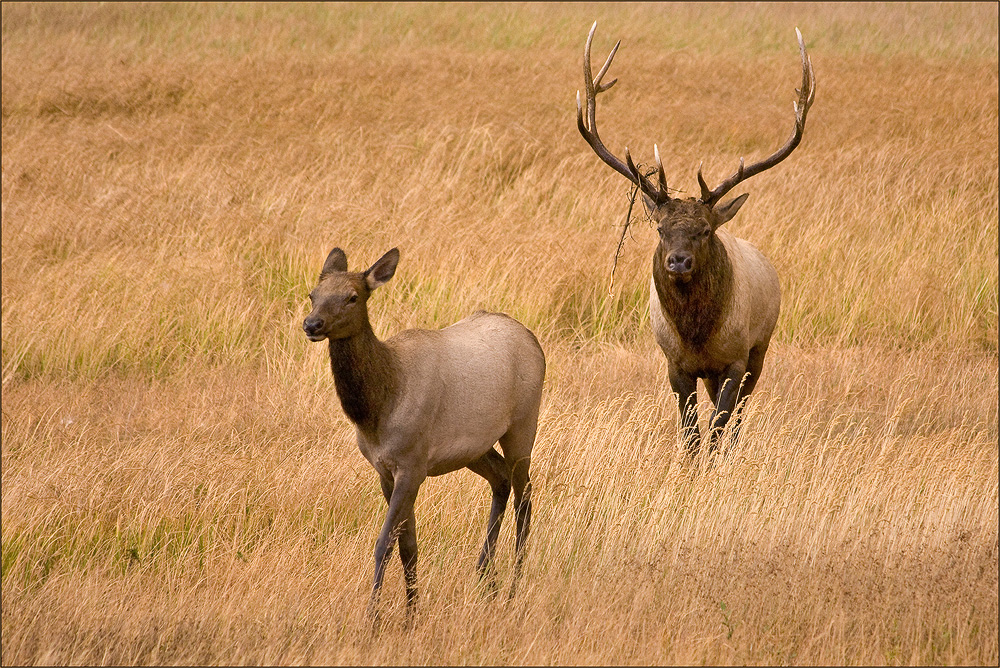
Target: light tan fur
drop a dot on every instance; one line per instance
(461, 389)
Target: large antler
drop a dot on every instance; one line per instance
(806, 94)
(627, 169)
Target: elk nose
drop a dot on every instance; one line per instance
(679, 263)
(312, 324)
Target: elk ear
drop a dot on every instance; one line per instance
(383, 269)
(725, 213)
(335, 261)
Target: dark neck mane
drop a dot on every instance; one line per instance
(697, 308)
(364, 372)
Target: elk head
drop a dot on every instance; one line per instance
(686, 226)
(340, 299)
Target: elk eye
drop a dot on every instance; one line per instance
(352, 299)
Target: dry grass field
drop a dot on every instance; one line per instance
(180, 485)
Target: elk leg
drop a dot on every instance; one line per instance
(522, 512)
(754, 366)
(401, 494)
(712, 385)
(516, 445)
(494, 468)
(685, 386)
(730, 390)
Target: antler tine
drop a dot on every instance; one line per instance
(659, 167)
(706, 192)
(607, 63)
(806, 95)
(594, 83)
(631, 165)
(808, 77)
(588, 127)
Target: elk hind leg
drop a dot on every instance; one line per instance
(517, 444)
(494, 468)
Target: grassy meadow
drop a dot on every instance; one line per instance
(181, 486)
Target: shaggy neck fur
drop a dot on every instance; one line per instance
(697, 308)
(364, 372)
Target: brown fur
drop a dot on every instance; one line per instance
(699, 306)
(365, 375)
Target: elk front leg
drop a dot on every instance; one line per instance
(730, 389)
(685, 386)
(401, 493)
(754, 365)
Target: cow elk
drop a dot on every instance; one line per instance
(426, 403)
(714, 298)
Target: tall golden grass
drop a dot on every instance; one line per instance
(180, 484)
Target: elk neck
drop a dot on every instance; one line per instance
(366, 376)
(699, 307)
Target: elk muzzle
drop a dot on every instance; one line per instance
(680, 265)
(312, 326)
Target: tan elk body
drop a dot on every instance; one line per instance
(425, 403)
(714, 298)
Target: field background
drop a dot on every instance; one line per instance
(180, 484)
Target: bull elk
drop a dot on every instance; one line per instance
(426, 403)
(714, 298)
